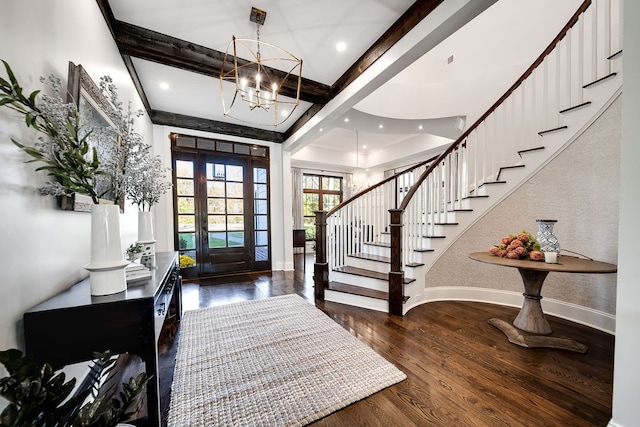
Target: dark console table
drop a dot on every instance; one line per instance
(70, 326)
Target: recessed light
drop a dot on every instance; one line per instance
(284, 113)
(346, 119)
(420, 127)
(380, 126)
(341, 46)
(164, 85)
(364, 147)
(321, 129)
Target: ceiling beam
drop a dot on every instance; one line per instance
(409, 19)
(138, 42)
(150, 45)
(207, 125)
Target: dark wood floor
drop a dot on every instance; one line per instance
(460, 370)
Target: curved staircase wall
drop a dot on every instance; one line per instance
(579, 188)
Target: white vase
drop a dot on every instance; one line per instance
(146, 237)
(106, 269)
(145, 227)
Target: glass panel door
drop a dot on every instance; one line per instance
(222, 213)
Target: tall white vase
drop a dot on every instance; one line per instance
(106, 269)
(146, 237)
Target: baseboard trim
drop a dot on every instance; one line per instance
(585, 316)
(284, 266)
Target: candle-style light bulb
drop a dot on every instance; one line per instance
(274, 88)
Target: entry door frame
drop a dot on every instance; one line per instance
(252, 158)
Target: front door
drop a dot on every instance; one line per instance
(221, 210)
(225, 238)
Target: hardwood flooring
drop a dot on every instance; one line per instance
(460, 370)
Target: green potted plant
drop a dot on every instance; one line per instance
(38, 395)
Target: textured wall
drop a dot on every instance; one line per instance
(580, 189)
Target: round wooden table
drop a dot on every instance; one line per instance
(530, 328)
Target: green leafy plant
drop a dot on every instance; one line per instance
(65, 154)
(134, 251)
(39, 396)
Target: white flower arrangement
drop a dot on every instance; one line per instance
(146, 181)
(69, 153)
(65, 154)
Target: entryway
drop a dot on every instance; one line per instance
(221, 205)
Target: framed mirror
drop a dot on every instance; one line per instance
(94, 110)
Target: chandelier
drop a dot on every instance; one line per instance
(262, 80)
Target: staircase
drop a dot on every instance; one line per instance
(375, 249)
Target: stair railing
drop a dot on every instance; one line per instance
(357, 221)
(554, 83)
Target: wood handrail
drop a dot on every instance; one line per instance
(373, 187)
(563, 32)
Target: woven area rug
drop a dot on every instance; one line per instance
(270, 362)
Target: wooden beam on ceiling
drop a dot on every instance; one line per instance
(150, 45)
(134, 41)
(207, 125)
(409, 19)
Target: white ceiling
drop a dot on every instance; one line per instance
(489, 54)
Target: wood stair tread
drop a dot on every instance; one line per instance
(360, 291)
(530, 150)
(492, 182)
(356, 271)
(575, 107)
(544, 132)
(504, 168)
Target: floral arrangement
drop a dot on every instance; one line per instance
(146, 181)
(518, 246)
(119, 159)
(186, 261)
(64, 153)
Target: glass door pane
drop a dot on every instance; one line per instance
(186, 211)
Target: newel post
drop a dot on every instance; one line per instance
(396, 275)
(321, 268)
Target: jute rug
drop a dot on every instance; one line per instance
(270, 362)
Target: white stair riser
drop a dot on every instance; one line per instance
(357, 300)
(367, 264)
(365, 282)
(376, 250)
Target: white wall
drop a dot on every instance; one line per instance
(579, 189)
(43, 248)
(626, 375)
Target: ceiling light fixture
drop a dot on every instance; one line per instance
(264, 76)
